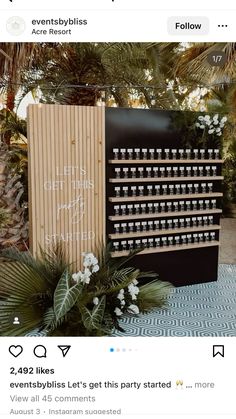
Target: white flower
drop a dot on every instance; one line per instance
(77, 276)
(133, 289)
(89, 260)
(200, 118)
(219, 134)
(120, 296)
(224, 119)
(218, 130)
(85, 276)
(215, 117)
(207, 117)
(197, 125)
(133, 309)
(135, 282)
(95, 301)
(122, 303)
(118, 311)
(202, 126)
(211, 131)
(208, 122)
(95, 269)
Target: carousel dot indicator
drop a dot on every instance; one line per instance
(112, 350)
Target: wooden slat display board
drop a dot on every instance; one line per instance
(66, 178)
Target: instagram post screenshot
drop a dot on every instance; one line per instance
(117, 209)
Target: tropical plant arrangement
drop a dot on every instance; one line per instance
(50, 297)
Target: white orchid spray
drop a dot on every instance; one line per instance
(211, 125)
(91, 266)
(125, 297)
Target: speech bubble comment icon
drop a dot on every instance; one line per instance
(15, 350)
(40, 351)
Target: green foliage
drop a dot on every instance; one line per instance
(153, 295)
(65, 295)
(4, 217)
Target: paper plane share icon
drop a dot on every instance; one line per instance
(64, 349)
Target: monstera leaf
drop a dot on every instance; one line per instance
(93, 319)
(65, 295)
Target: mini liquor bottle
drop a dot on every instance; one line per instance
(210, 154)
(133, 172)
(163, 224)
(157, 189)
(200, 204)
(200, 170)
(162, 171)
(196, 187)
(195, 152)
(164, 189)
(124, 244)
(150, 225)
(177, 189)
(116, 246)
(210, 187)
(213, 203)
(170, 241)
(202, 154)
(194, 204)
(210, 219)
(195, 238)
(156, 224)
(149, 171)
(164, 241)
(125, 191)
(134, 190)
(208, 172)
(140, 190)
(183, 238)
(176, 223)
(175, 171)
(157, 242)
(152, 153)
(174, 153)
(176, 206)
(123, 153)
(156, 207)
(213, 236)
(150, 208)
(189, 238)
(188, 170)
(181, 154)
(143, 208)
(150, 243)
(144, 153)
(144, 225)
(206, 237)
(205, 221)
(171, 189)
(149, 189)
(117, 191)
(187, 222)
(144, 243)
(181, 203)
(181, 169)
(123, 209)
(159, 153)
(169, 224)
(162, 205)
(124, 227)
(199, 221)
(140, 170)
(137, 208)
(116, 153)
(181, 223)
(194, 221)
(188, 205)
(167, 153)
(137, 153)
(131, 227)
(216, 153)
(125, 172)
(169, 206)
(188, 153)
(117, 228)
(155, 171)
(207, 204)
(213, 168)
(203, 185)
(117, 172)
(138, 244)
(130, 244)
(130, 153)
(117, 209)
(137, 226)
(190, 188)
(195, 170)
(200, 236)
(177, 240)
(168, 169)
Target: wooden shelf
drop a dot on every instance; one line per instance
(168, 248)
(170, 161)
(155, 233)
(165, 197)
(165, 179)
(163, 215)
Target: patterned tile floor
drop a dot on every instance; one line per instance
(195, 310)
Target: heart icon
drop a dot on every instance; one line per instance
(15, 350)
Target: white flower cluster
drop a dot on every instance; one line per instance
(213, 125)
(133, 290)
(90, 265)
